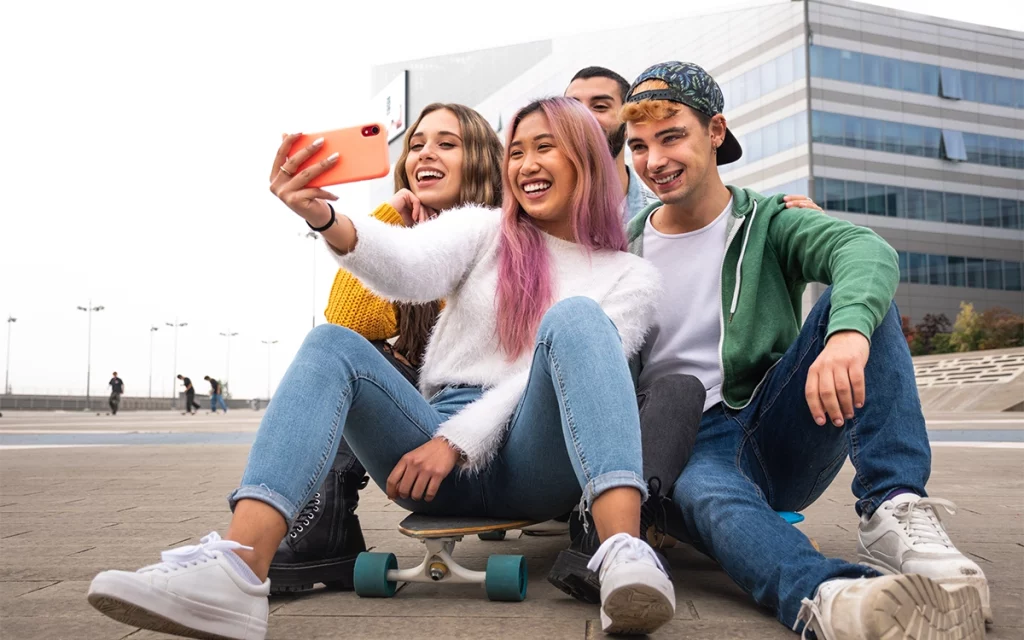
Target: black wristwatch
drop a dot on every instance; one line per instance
(330, 222)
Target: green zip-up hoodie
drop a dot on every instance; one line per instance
(771, 254)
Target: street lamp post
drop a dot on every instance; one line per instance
(7, 373)
(152, 330)
(314, 235)
(227, 367)
(174, 377)
(88, 357)
(269, 344)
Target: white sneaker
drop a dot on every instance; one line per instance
(904, 606)
(196, 592)
(906, 535)
(637, 596)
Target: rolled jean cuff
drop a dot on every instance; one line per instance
(613, 480)
(266, 495)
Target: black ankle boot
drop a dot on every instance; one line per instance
(324, 540)
(570, 573)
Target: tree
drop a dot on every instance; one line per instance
(1002, 329)
(924, 334)
(968, 333)
(908, 331)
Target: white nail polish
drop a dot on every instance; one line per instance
(333, 156)
(318, 142)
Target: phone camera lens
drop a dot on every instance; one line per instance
(375, 130)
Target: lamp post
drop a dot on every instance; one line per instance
(269, 344)
(152, 330)
(7, 373)
(227, 367)
(88, 357)
(174, 377)
(314, 235)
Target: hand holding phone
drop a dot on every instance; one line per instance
(362, 154)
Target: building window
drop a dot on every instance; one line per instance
(957, 269)
(937, 270)
(933, 206)
(954, 207)
(1008, 214)
(893, 137)
(953, 147)
(990, 212)
(975, 273)
(969, 85)
(913, 140)
(875, 197)
(994, 274)
(855, 197)
(972, 210)
(849, 66)
(895, 202)
(872, 69)
(915, 204)
(1011, 275)
(835, 195)
(853, 134)
(919, 268)
(904, 266)
(949, 84)
(874, 134)
(910, 72)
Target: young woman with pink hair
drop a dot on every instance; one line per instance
(531, 406)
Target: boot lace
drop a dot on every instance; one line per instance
(921, 520)
(190, 555)
(305, 517)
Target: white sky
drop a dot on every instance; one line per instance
(137, 140)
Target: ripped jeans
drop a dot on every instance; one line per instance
(574, 434)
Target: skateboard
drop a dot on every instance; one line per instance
(794, 519)
(540, 529)
(377, 575)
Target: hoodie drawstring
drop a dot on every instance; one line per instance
(739, 264)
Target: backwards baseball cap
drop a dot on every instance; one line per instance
(691, 85)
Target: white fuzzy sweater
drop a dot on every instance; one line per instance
(455, 257)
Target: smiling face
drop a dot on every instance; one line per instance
(541, 177)
(673, 156)
(603, 97)
(434, 163)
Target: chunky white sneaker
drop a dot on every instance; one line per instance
(906, 535)
(202, 591)
(637, 596)
(905, 606)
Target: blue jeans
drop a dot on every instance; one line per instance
(772, 456)
(217, 399)
(575, 433)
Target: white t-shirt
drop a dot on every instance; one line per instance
(686, 332)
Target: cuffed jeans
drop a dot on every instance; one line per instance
(772, 456)
(574, 434)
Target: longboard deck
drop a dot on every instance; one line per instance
(418, 525)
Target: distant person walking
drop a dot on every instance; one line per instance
(216, 394)
(116, 389)
(190, 395)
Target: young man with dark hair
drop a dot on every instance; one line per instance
(191, 406)
(116, 389)
(216, 394)
(787, 404)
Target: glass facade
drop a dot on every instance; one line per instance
(916, 77)
(916, 140)
(957, 271)
(918, 204)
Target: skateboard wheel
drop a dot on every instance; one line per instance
(370, 577)
(791, 517)
(492, 535)
(506, 578)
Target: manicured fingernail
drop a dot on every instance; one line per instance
(332, 157)
(318, 142)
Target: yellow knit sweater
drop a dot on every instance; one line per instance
(352, 305)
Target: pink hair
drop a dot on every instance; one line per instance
(525, 289)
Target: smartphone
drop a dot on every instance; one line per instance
(362, 154)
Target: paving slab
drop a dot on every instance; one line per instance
(67, 513)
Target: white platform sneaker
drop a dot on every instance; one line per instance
(906, 535)
(909, 607)
(201, 591)
(637, 596)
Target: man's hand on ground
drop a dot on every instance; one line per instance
(835, 381)
(418, 475)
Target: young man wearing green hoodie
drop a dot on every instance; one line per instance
(787, 404)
